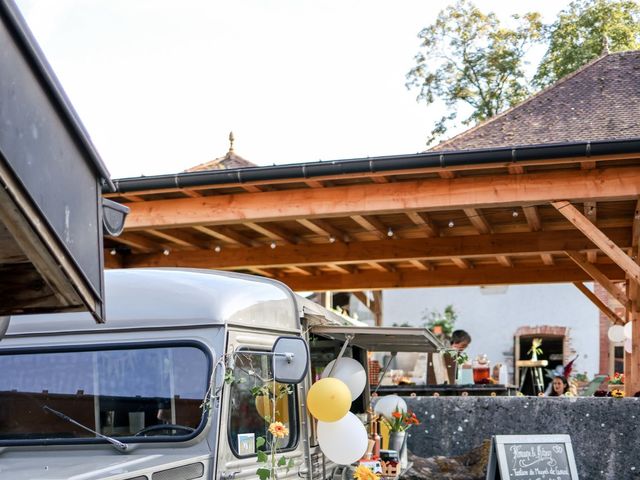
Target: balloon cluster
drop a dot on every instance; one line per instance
(618, 333)
(341, 435)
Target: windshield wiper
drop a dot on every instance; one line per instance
(120, 446)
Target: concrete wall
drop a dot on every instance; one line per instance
(492, 319)
(604, 431)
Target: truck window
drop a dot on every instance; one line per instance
(143, 392)
(252, 405)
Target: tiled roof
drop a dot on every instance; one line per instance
(600, 101)
(230, 160)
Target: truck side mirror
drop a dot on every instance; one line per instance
(290, 359)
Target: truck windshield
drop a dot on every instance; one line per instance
(138, 392)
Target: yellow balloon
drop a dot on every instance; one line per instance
(329, 399)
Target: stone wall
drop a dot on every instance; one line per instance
(605, 432)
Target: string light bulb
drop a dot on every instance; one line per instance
(637, 215)
(514, 214)
(166, 251)
(451, 224)
(390, 232)
(332, 239)
(217, 248)
(273, 245)
(113, 251)
(590, 211)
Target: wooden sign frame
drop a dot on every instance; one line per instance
(498, 468)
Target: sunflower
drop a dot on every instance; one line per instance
(617, 393)
(364, 473)
(278, 430)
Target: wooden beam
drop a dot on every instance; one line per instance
(376, 308)
(184, 239)
(515, 169)
(595, 273)
(446, 174)
(443, 277)
(314, 183)
(461, 262)
(191, 193)
(380, 180)
(327, 228)
(381, 267)
(133, 198)
(399, 173)
(252, 188)
(477, 219)
(371, 224)
(533, 217)
(226, 234)
(608, 247)
(591, 212)
(504, 261)
(422, 219)
(599, 303)
(547, 259)
(421, 264)
(430, 194)
(346, 269)
(437, 248)
(138, 242)
(273, 232)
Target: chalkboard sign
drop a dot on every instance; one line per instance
(531, 457)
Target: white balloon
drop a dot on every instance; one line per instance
(627, 330)
(616, 333)
(385, 406)
(343, 442)
(350, 372)
(627, 345)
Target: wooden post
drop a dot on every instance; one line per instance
(632, 360)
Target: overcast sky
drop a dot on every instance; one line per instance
(159, 84)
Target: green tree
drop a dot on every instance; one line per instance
(469, 57)
(583, 31)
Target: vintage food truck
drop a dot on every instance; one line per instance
(164, 389)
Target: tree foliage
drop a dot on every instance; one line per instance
(469, 57)
(583, 31)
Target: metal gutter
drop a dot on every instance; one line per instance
(379, 164)
(51, 86)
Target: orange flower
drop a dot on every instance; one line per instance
(278, 430)
(364, 473)
(397, 414)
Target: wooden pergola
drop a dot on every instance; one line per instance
(543, 214)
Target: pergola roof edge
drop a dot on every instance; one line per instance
(444, 159)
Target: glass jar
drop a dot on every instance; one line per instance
(481, 370)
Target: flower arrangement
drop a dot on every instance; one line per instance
(535, 349)
(617, 379)
(401, 420)
(363, 472)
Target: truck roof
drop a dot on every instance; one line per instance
(174, 297)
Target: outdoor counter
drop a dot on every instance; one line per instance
(447, 390)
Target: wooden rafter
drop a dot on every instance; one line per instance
(273, 232)
(462, 262)
(596, 274)
(599, 303)
(423, 220)
(444, 276)
(183, 239)
(609, 248)
(504, 261)
(138, 242)
(380, 179)
(591, 212)
(371, 224)
(533, 218)
(515, 169)
(421, 264)
(436, 248)
(547, 259)
(432, 194)
(191, 193)
(226, 234)
(347, 269)
(478, 220)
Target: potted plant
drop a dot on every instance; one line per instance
(441, 324)
(616, 382)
